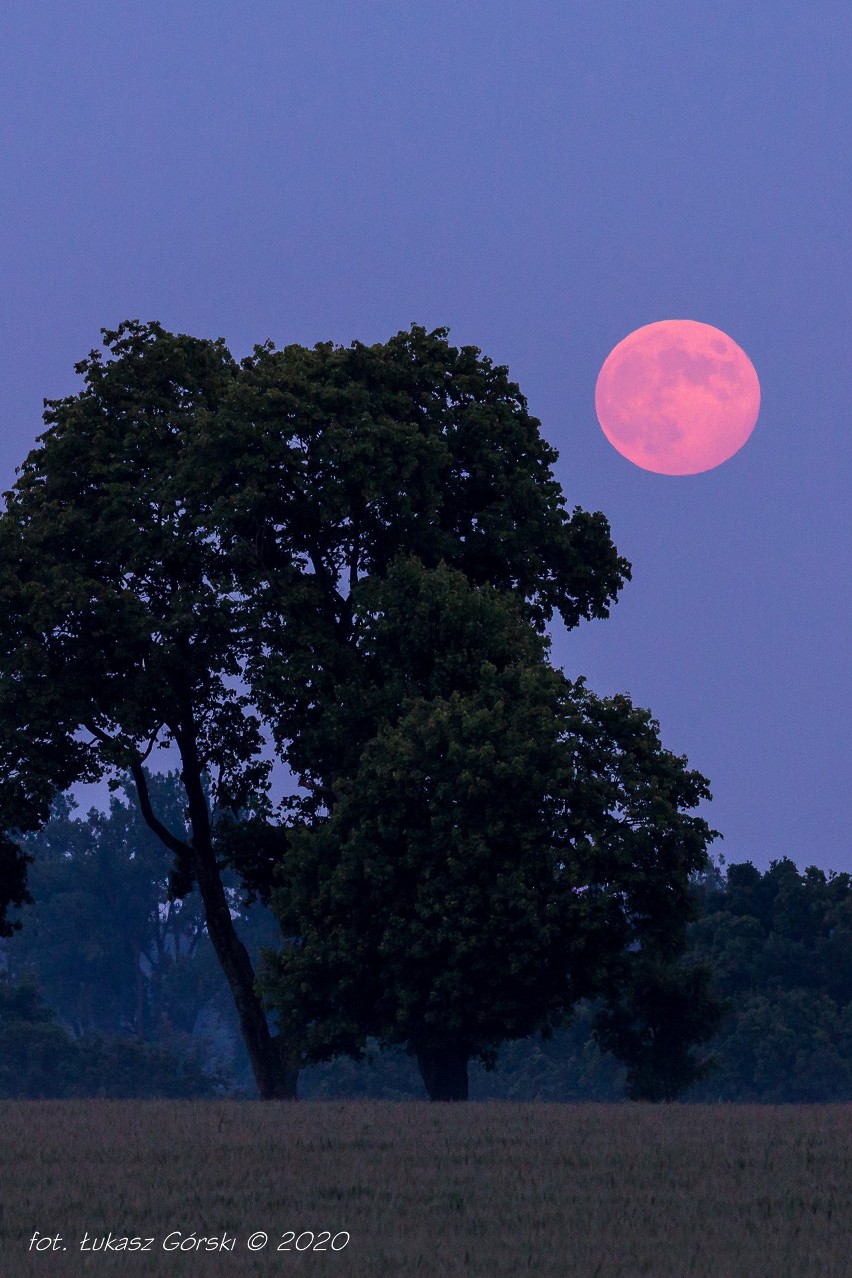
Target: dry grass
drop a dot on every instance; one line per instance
(439, 1190)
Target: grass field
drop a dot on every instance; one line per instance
(480, 1189)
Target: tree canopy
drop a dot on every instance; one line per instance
(179, 560)
(497, 844)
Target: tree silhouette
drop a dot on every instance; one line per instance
(499, 848)
(178, 559)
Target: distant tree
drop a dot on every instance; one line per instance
(780, 947)
(666, 1011)
(501, 844)
(126, 1068)
(40, 1060)
(37, 1056)
(81, 933)
(180, 551)
(112, 952)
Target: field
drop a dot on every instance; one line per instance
(490, 1189)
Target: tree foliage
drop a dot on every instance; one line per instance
(492, 853)
(336, 462)
(780, 946)
(657, 1023)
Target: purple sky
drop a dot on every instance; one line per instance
(543, 178)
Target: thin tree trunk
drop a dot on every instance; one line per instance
(275, 1069)
(444, 1072)
(140, 993)
(274, 1074)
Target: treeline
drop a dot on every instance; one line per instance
(111, 988)
(780, 945)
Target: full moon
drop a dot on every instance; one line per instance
(677, 397)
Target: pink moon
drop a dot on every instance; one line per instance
(677, 397)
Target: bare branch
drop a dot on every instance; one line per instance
(178, 846)
(100, 735)
(151, 744)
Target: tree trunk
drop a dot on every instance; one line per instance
(444, 1071)
(275, 1071)
(140, 993)
(274, 1075)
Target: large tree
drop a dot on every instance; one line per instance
(179, 554)
(502, 845)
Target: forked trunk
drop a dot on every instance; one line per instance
(444, 1071)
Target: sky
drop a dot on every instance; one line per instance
(542, 178)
